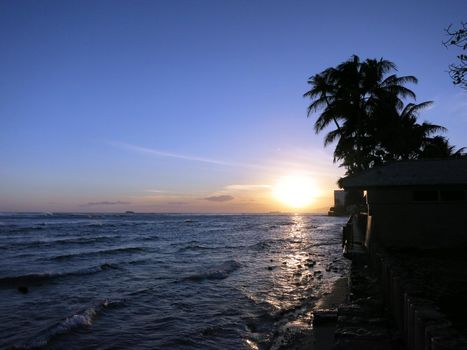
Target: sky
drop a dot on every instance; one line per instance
(193, 106)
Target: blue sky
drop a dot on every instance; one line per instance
(158, 105)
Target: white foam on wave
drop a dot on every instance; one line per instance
(81, 319)
(216, 273)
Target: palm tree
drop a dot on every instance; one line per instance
(439, 147)
(401, 136)
(359, 98)
(322, 94)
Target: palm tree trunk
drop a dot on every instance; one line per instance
(334, 119)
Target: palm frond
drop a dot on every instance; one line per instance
(315, 106)
(331, 137)
(430, 129)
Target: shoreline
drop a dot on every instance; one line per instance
(324, 330)
(324, 320)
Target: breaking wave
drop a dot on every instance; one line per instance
(81, 319)
(217, 273)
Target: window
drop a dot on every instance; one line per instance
(441, 195)
(425, 196)
(452, 195)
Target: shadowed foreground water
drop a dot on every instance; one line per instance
(146, 281)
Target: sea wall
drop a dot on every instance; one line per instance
(413, 305)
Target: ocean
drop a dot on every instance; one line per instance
(163, 281)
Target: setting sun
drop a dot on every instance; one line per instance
(295, 191)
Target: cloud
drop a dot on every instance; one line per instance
(221, 198)
(247, 187)
(316, 162)
(107, 203)
(161, 153)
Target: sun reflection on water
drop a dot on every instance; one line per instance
(290, 282)
(293, 264)
(300, 272)
(251, 344)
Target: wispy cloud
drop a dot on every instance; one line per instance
(221, 198)
(156, 191)
(107, 203)
(166, 154)
(316, 162)
(243, 187)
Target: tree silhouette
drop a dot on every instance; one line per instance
(373, 125)
(439, 147)
(458, 38)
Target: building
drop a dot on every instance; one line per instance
(339, 208)
(418, 203)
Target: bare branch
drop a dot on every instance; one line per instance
(458, 38)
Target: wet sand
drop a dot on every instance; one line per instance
(323, 334)
(338, 295)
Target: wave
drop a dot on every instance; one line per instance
(216, 273)
(65, 241)
(108, 224)
(285, 223)
(112, 222)
(41, 278)
(81, 319)
(20, 229)
(268, 243)
(81, 240)
(26, 279)
(194, 247)
(326, 243)
(147, 238)
(98, 252)
(81, 222)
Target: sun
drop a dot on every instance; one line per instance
(295, 191)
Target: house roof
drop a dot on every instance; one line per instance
(411, 173)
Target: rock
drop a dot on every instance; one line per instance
(23, 289)
(321, 317)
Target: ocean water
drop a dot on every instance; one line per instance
(145, 281)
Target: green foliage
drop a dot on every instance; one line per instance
(365, 102)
